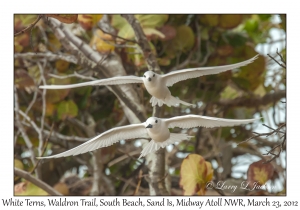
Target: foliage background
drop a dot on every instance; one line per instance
(178, 41)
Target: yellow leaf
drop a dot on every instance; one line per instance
(89, 21)
(260, 90)
(195, 172)
(18, 164)
(53, 96)
(151, 31)
(102, 42)
(62, 65)
(261, 175)
(27, 188)
(230, 93)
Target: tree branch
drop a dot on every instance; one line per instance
(106, 67)
(253, 101)
(37, 182)
(156, 160)
(29, 27)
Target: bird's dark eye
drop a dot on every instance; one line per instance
(153, 75)
(144, 75)
(155, 121)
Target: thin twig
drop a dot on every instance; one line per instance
(22, 130)
(35, 181)
(123, 157)
(29, 27)
(281, 58)
(127, 40)
(139, 182)
(264, 134)
(73, 75)
(45, 146)
(280, 64)
(43, 107)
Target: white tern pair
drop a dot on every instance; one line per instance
(157, 128)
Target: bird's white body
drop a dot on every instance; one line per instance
(157, 85)
(159, 132)
(156, 128)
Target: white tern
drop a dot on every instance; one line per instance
(156, 84)
(156, 128)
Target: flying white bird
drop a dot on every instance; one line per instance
(157, 85)
(156, 128)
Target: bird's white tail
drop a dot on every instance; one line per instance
(169, 101)
(153, 146)
(155, 101)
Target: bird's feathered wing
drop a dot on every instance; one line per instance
(176, 76)
(191, 121)
(105, 139)
(110, 81)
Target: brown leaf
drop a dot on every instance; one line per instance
(23, 80)
(259, 173)
(62, 188)
(168, 31)
(66, 18)
(225, 50)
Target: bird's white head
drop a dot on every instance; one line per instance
(153, 123)
(149, 76)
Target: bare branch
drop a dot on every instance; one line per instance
(41, 141)
(156, 160)
(111, 66)
(280, 64)
(22, 130)
(47, 55)
(29, 27)
(253, 101)
(37, 182)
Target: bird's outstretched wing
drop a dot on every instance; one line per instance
(190, 121)
(179, 75)
(105, 139)
(110, 81)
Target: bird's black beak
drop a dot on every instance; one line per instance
(149, 126)
(149, 79)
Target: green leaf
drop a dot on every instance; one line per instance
(67, 109)
(183, 41)
(53, 96)
(230, 21)
(235, 39)
(152, 21)
(229, 93)
(209, 20)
